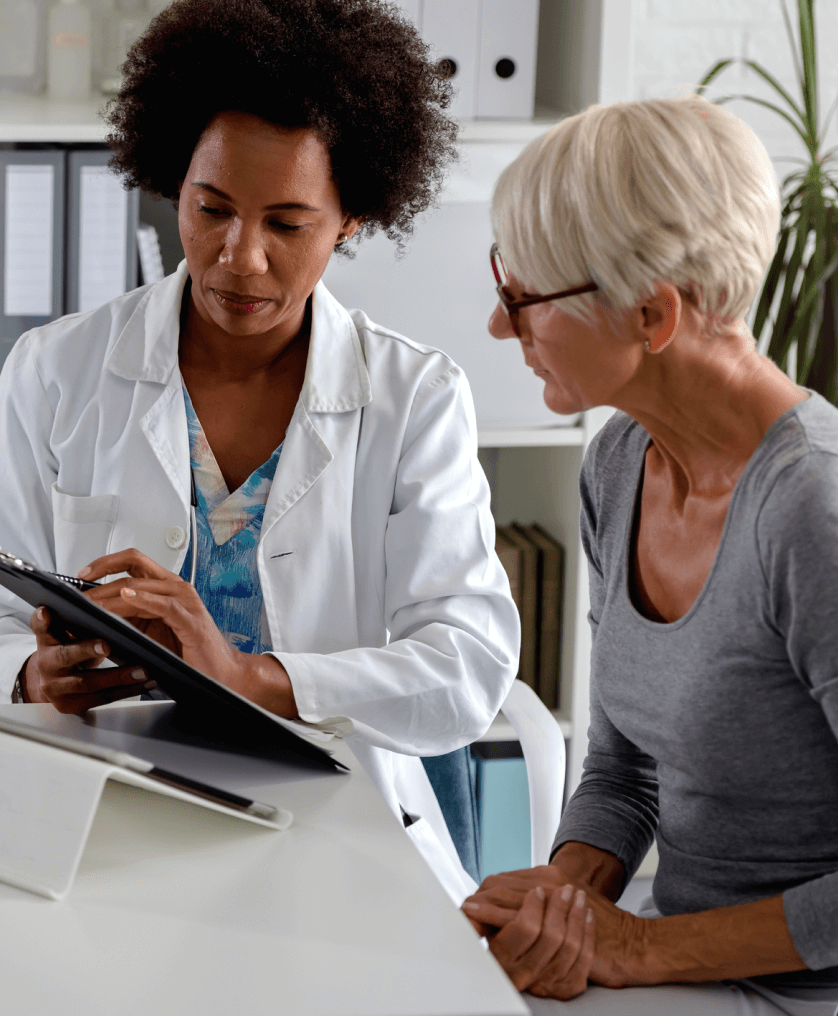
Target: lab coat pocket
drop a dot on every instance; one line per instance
(453, 878)
(82, 527)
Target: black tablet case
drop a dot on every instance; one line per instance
(209, 707)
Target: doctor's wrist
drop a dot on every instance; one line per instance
(266, 682)
(18, 691)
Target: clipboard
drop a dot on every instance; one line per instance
(210, 706)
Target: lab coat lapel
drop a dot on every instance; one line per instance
(146, 352)
(305, 555)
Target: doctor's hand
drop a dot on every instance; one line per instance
(63, 670)
(169, 610)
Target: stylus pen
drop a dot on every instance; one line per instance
(138, 765)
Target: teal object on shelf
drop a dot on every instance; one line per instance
(503, 808)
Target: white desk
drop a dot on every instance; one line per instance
(177, 910)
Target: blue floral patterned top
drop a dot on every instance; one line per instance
(229, 526)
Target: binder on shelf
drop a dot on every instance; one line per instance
(550, 597)
(506, 61)
(528, 606)
(102, 222)
(451, 27)
(31, 242)
(151, 259)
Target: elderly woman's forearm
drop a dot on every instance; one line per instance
(731, 942)
(582, 863)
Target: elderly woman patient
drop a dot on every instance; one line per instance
(631, 242)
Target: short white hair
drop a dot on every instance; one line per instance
(675, 190)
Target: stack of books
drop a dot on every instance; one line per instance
(534, 562)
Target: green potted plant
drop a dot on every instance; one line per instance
(799, 297)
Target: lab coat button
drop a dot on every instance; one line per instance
(175, 537)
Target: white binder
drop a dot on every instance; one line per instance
(451, 27)
(506, 63)
(31, 241)
(101, 232)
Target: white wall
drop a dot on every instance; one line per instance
(677, 41)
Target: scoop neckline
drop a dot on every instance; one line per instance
(668, 626)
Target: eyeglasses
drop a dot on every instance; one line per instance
(513, 306)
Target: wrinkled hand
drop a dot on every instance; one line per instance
(63, 671)
(544, 938)
(548, 876)
(616, 953)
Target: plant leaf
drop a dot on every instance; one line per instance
(781, 337)
(823, 372)
(772, 279)
(829, 115)
(809, 62)
(714, 72)
(792, 44)
(801, 130)
(775, 84)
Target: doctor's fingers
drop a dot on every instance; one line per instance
(92, 682)
(75, 694)
(119, 596)
(560, 942)
(132, 561)
(56, 656)
(183, 611)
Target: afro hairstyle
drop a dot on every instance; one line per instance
(354, 71)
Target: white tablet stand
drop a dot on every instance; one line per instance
(48, 800)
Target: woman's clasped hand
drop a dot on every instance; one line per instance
(553, 936)
(167, 609)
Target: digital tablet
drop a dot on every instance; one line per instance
(209, 706)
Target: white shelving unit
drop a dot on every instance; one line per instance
(32, 119)
(26, 118)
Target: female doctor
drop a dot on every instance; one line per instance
(344, 570)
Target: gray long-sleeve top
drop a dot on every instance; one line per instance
(718, 734)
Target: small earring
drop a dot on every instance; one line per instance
(647, 346)
(342, 238)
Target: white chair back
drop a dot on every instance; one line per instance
(543, 747)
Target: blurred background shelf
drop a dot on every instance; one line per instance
(34, 119)
(532, 437)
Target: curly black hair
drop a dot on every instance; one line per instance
(355, 71)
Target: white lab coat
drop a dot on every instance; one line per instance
(383, 595)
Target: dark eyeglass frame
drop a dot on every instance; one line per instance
(513, 306)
